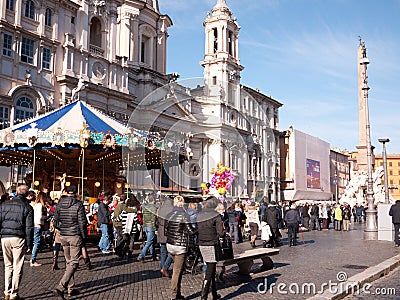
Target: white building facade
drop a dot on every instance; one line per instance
(240, 124)
(114, 52)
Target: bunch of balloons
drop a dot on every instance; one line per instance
(222, 179)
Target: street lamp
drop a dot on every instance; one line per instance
(336, 185)
(384, 141)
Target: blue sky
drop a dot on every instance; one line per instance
(303, 53)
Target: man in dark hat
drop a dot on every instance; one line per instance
(70, 218)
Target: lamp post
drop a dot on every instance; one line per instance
(371, 230)
(384, 141)
(336, 185)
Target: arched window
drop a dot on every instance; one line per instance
(95, 32)
(30, 9)
(10, 4)
(24, 109)
(47, 17)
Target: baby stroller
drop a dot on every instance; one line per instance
(194, 260)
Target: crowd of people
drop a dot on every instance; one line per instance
(181, 231)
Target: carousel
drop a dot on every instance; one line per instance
(79, 145)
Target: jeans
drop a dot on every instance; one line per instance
(209, 282)
(233, 228)
(315, 223)
(36, 242)
(338, 225)
(13, 255)
(165, 258)
(292, 233)
(104, 243)
(150, 234)
(396, 233)
(359, 218)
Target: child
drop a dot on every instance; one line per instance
(265, 233)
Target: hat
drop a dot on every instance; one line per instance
(72, 189)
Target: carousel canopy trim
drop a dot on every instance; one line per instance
(77, 123)
(72, 117)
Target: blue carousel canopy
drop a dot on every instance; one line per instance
(77, 123)
(72, 117)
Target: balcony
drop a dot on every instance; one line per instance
(96, 50)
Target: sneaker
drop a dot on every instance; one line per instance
(140, 259)
(105, 251)
(73, 292)
(59, 294)
(35, 264)
(16, 298)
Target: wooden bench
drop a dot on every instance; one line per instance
(245, 261)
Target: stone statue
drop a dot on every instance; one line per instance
(75, 91)
(354, 192)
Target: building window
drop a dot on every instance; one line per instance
(381, 163)
(30, 9)
(95, 32)
(24, 109)
(10, 4)
(390, 172)
(230, 43)
(145, 47)
(215, 44)
(4, 117)
(214, 80)
(46, 58)
(399, 172)
(27, 50)
(47, 18)
(391, 181)
(390, 163)
(7, 45)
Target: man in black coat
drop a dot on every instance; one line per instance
(395, 213)
(273, 218)
(70, 219)
(16, 223)
(292, 219)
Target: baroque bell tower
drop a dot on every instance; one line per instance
(221, 60)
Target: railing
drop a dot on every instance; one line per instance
(96, 50)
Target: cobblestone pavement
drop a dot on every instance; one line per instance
(384, 288)
(317, 261)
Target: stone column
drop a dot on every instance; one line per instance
(54, 35)
(41, 19)
(151, 53)
(237, 46)
(12, 115)
(2, 10)
(113, 33)
(125, 40)
(135, 33)
(18, 12)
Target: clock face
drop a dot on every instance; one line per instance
(98, 70)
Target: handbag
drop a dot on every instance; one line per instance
(223, 248)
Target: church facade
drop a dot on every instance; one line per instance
(112, 54)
